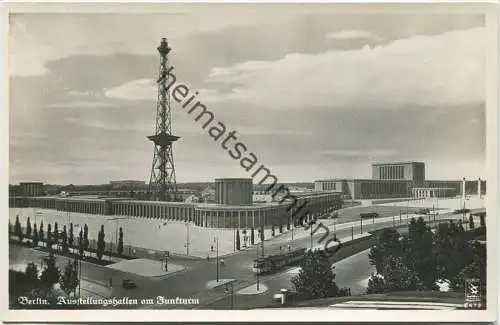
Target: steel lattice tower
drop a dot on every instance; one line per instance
(162, 184)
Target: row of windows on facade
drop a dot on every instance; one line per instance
(392, 172)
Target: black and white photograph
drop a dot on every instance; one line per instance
(277, 159)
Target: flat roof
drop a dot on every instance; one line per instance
(363, 180)
(244, 207)
(433, 188)
(234, 179)
(398, 163)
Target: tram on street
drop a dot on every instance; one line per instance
(272, 263)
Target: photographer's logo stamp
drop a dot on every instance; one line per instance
(473, 294)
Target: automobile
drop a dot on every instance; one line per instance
(423, 211)
(128, 284)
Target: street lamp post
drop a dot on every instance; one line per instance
(187, 238)
(230, 289)
(80, 276)
(311, 223)
(216, 240)
(167, 255)
(257, 272)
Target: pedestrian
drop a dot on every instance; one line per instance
(212, 248)
(208, 258)
(280, 248)
(289, 248)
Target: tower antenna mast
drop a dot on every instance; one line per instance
(162, 183)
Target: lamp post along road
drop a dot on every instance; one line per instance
(187, 238)
(229, 288)
(311, 223)
(257, 272)
(216, 239)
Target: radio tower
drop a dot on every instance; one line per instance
(162, 184)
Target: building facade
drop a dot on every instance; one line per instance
(233, 191)
(409, 171)
(399, 180)
(201, 214)
(31, 188)
(364, 189)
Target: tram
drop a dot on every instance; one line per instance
(275, 262)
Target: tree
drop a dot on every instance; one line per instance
(252, 236)
(64, 240)
(69, 279)
(40, 232)
(71, 239)
(471, 222)
(316, 278)
(482, 222)
(85, 237)
(17, 230)
(35, 236)
(272, 230)
(81, 247)
(238, 239)
(120, 242)
(388, 244)
(49, 237)
(376, 284)
(452, 251)
(50, 274)
(56, 235)
(418, 253)
(399, 277)
(28, 228)
(101, 244)
(31, 276)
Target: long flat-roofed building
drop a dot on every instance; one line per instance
(211, 215)
(398, 180)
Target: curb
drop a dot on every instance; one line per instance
(222, 284)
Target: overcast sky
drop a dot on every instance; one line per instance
(313, 96)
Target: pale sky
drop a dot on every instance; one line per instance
(313, 96)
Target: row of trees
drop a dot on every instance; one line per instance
(64, 240)
(417, 260)
(34, 284)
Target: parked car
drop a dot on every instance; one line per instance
(128, 284)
